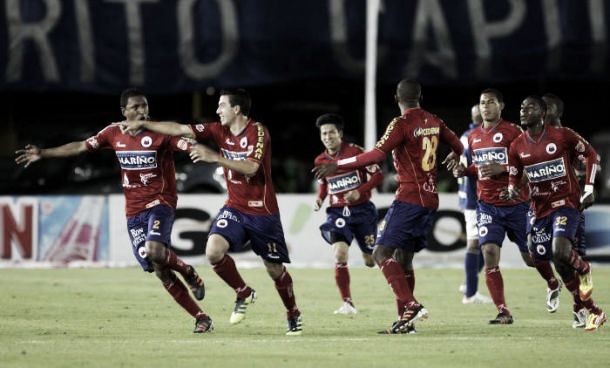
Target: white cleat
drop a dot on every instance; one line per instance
(580, 318)
(552, 298)
(346, 308)
(477, 298)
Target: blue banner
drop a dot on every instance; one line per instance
(169, 46)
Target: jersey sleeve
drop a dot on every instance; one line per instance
(392, 137)
(449, 137)
(515, 167)
(180, 143)
(582, 149)
(102, 139)
(263, 142)
(203, 131)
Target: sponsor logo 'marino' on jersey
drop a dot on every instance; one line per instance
(544, 171)
(493, 154)
(137, 160)
(344, 182)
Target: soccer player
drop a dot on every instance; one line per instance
(351, 213)
(251, 212)
(554, 112)
(467, 194)
(149, 184)
(497, 218)
(545, 155)
(413, 138)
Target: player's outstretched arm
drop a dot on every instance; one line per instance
(202, 153)
(162, 127)
(31, 153)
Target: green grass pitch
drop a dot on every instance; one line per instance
(123, 318)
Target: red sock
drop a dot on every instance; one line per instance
(342, 280)
(181, 295)
(410, 276)
(580, 265)
(173, 262)
(227, 271)
(283, 284)
(495, 284)
(572, 285)
(546, 271)
(395, 276)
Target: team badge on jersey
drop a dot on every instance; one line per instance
(137, 160)
(243, 143)
(551, 148)
(146, 141)
(344, 182)
(497, 138)
(547, 170)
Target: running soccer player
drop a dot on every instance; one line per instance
(497, 218)
(351, 214)
(251, 212)
(413, 138)
(467, 195)
(545, 154)
(149, 184)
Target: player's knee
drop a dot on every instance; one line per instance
(155, 251)
(380, 253)
(216, 248)
(274, 269)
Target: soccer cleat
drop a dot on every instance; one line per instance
(203, 324)
(195, 283)
(477, 298)
(503, 318)
(580, 318)
(394, 330)
(295, 326)
(585, 289)
(239, 311)
(415, 312)
(552, 298)
(346, 308)
(595, 321)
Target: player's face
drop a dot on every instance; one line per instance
(225, 111)
(531, 113)
(490, 107)
(136, 108)
(330, 136)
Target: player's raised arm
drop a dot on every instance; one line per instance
(162, 127)
(202, 153)
(31, 153)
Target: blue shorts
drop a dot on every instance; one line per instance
(154, 224)
(352, 221)
(580, 243)
(264, 233)
(495, 222)
(405, 226)
(563, 222)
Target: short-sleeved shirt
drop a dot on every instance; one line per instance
(345, 180)
(146, 158)
(254, 194)
(547, 161)
(491, 145)
(413, 139)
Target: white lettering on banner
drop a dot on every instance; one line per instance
(20, 33)
(18, 229)
(597, 16)
(85, 41)
(430, 20)
(186, 42)
(338, 34)
(485, 31)
(552, 27)
(136, 39)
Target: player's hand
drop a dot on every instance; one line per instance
(325, 169)
(317, 204)
(202, 153)
(587, 198)
(352, 196)
(129, 126)
(509, 193)
(451, 161)
(491, 169)
(458, 171)
(28, 155)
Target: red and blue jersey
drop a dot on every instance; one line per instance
(250, 194)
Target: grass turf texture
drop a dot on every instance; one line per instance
(123, 317)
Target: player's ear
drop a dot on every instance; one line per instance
(502, 105)
(123, 111)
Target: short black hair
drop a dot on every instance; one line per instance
(334, 119)
(495, 92)
(130, 92)
(239, 97)
(556, 101)
(539, 101)
(408, 90)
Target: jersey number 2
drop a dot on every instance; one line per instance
(429, 145)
